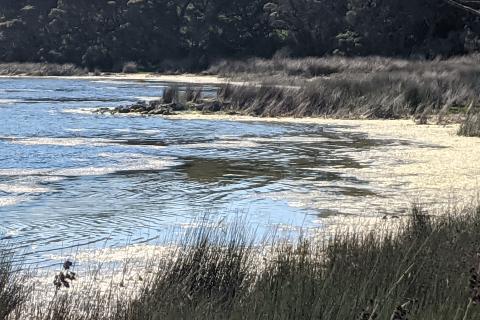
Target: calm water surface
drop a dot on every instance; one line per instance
(73, 179)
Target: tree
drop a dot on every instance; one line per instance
(310, 26)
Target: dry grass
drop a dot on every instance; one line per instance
(13, 287)
(426, 269)
(316, 67)
(354, 88)
(471, 125)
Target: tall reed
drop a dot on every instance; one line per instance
(426, 267)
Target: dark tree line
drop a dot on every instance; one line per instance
(190, 34)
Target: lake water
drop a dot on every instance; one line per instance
(72, 179)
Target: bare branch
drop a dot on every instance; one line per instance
(463, 6)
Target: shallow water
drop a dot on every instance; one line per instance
(71, 179)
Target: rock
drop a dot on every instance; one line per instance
(155, 104)
(174, 106)
(178, 107)
(161, 111)
(103, 110)
(156, 107)
(123, 109)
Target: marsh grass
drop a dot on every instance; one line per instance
(471, 125)
(14, 287)
(420, 270)
(171, 94)
(311, 67)
(371, 87)
(381, 95)
(426, 267)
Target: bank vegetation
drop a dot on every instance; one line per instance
(422, 266)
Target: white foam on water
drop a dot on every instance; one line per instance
(27, 90)
(80, 111)
(52, 179)
(11, 200)
(135, 162)
(67, 142)
(85, 171)
(147, 99)
(17, 193)
(22, 172)
(121, 155)
(22, 188)
(77, 130)
(302, 139)
(151, 131)
(12, 232)
(222, 145)
(9, 101)
(126, 162)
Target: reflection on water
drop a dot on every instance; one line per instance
(73, 179)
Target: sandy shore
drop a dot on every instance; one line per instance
(183, 78)
(435, 167)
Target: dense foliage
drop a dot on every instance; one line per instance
(190, 34)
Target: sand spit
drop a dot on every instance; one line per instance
(147, 77)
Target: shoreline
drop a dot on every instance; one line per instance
(225, 260)
(435, 165)
(183, 78)
(438, 164)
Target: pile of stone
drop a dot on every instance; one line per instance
(158, 107)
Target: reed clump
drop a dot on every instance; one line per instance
(377, 95)
(14, 288)
(363, 87)
(420, 271)
(471, 125)
(425, 268)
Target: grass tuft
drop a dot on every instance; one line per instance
(170, 94)
(13, 287)
(427, 267)
(471, 125)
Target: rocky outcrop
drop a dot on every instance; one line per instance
(158, 107)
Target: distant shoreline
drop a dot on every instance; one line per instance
(332, 87)
(182, 78)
